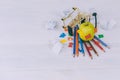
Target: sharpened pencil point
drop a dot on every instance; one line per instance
(91, 57)
(97, 54)
(77, 55)
(83, 54)
(103, 50)
(74, 56)
(108, 47)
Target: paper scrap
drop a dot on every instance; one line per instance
(100, 35)
(62, 35)
(63, 41)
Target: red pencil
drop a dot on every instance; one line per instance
(87, 48)
(97, 44)
(93, 48)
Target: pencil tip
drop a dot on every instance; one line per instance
(74, 56)
(97, 54)
(91, 57)
(78, 55)
(83, 54)
(108, 47)
(103, 50)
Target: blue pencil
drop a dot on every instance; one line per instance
(103, 43)
(81, 44)
(74, 42)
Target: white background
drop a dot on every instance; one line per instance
(24, 51)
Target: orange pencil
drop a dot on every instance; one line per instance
(77, 43)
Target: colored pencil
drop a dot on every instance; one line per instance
(95, 15)
(74, 42)
(103, 43)
(70, 32)
(93, 48)
(87, 48)
(81, 44)
(97, 44)
(77, 43)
